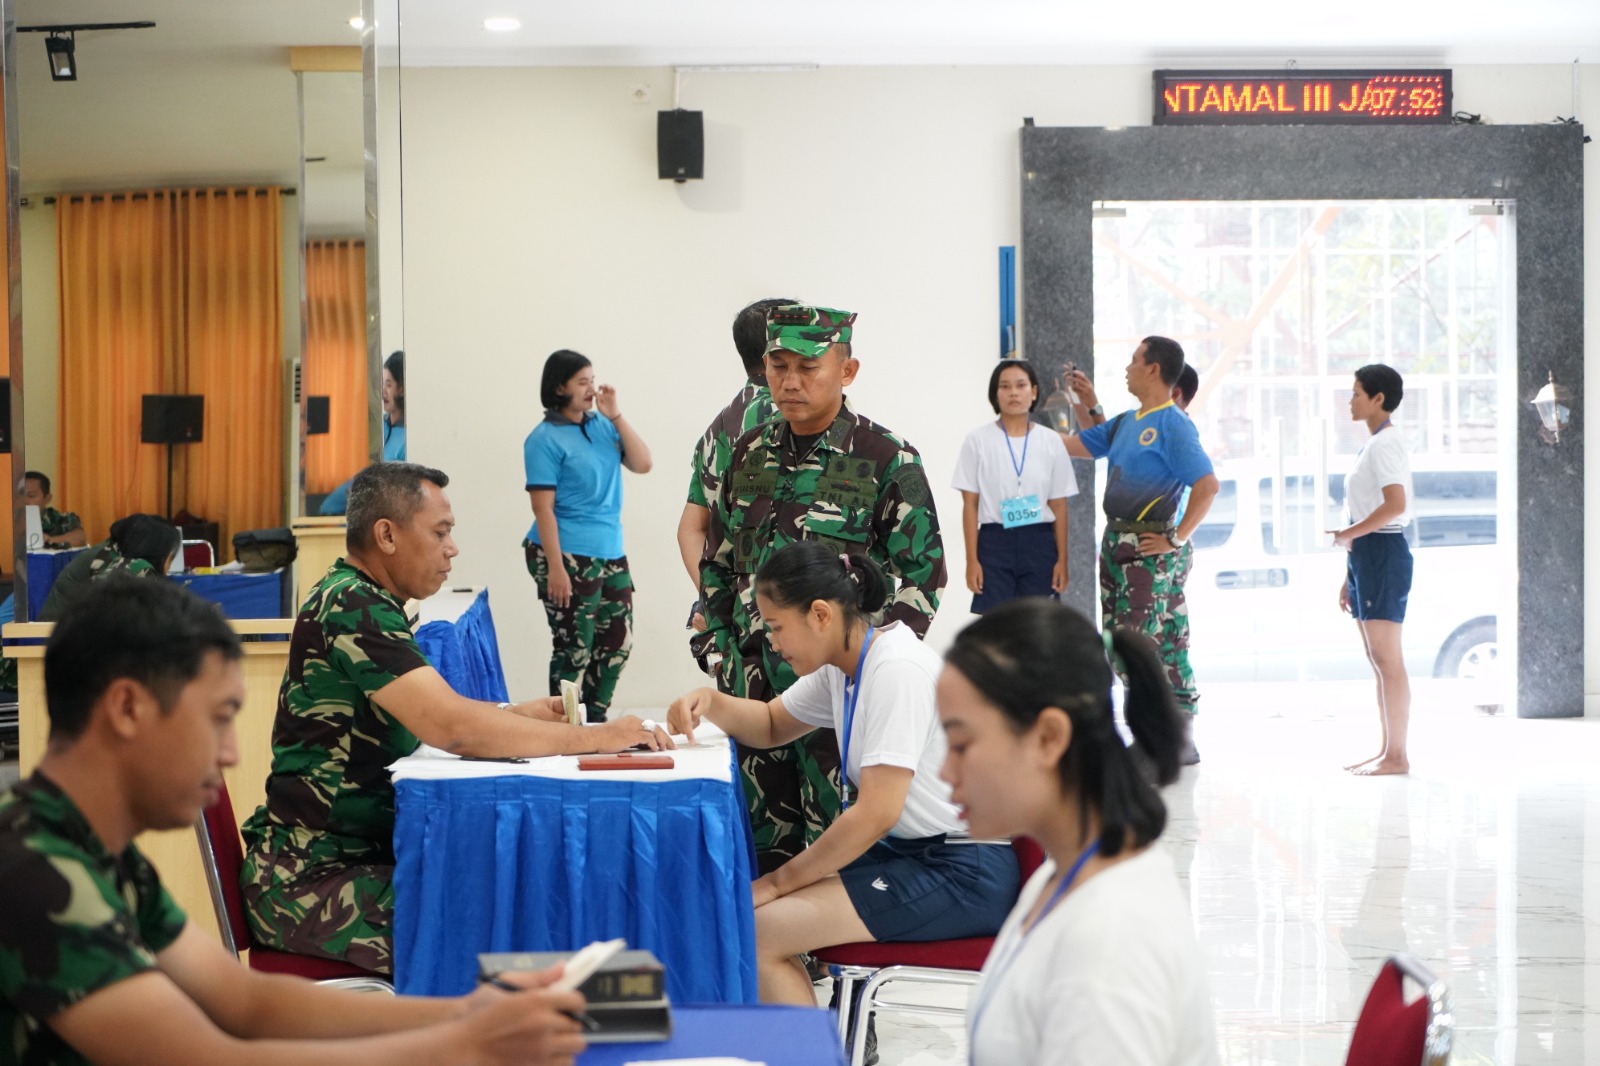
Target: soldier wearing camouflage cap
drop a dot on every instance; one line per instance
(97, 962)
(358, 694)
(819, 472)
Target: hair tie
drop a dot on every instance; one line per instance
(845, 559)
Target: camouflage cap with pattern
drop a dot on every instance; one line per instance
(807, 331)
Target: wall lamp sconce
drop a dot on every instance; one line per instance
(59, 47)
(1554, 405)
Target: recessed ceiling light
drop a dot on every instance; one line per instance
(502, 25)
(358, 23)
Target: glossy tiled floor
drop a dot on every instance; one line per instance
(1302, 878)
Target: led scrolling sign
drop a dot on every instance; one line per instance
(1298, 98)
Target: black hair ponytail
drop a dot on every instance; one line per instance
(801, 573)
(1030, 654)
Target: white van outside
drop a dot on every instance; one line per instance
(1265, 608)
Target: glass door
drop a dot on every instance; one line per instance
(1276, 303)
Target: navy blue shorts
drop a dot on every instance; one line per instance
(930, 889)
(1016, 562)
(1379, 577)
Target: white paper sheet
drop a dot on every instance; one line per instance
(706, 758)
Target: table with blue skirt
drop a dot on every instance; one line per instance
(777, 1036)
(543, 857)
(456, 633)
(239, 595)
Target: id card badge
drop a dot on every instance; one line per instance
(1020, 511)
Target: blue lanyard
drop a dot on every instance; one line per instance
(1000, 967)
(852, 693)
(1014, 464)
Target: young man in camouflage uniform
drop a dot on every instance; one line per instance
(61, 529)
(821, 472)
(1154, 455)
(358, 695)
(750, 407)
(97, 963)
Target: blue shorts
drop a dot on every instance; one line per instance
(1016, 562)
(930, 889)
(1379, 577)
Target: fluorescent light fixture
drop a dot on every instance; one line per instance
(502, 25)
(357, 22)
(63, 63)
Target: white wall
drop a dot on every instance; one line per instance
(534, 220)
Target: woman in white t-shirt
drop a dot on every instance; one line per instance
(1014, 477)
(1377, 497)
(884, 869)
(1098, 962)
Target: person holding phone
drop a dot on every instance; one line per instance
(1377, 580)
(574, 461)
(1014, 477)
(886, 868)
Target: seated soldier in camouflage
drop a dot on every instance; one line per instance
(62, 529)
(358, 694)
(97, 963)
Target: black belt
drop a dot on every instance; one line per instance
(1118, 525)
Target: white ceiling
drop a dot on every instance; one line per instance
(207, 94)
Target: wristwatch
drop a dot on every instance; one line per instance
(503, 707)
(1098, 411)
(1175, 540)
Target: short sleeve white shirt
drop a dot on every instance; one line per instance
(1114, 974)
(989, 461)
(1381, 461)
(896, 724)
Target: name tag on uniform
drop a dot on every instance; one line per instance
(1021, 511)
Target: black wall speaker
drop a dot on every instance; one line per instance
(5, 415)
(680, 144)
(316, 415)
(171, 419)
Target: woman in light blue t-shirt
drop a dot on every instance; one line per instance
(574, 461)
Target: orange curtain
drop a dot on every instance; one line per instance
(336, 359)
(171, 291)
(120, 339)
(232, 240)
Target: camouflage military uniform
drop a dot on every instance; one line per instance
(592, 637)
(752, 407)
(858, 488)
(54, 523)
(319, 858)
(76, 919)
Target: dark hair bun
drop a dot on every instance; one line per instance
(870, 580)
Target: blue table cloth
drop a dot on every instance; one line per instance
(43, 569)
(466, 652)
(240, 595)
(778, 1036)
(525, 863)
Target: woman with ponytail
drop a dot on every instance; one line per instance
(884, 870)
(1098, 962)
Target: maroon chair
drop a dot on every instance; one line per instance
(928, 962)
(1393, 1032)
(222, 855)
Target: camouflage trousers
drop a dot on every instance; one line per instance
(591, 637)
(1145, 593)
(344, 913)
(792, 794)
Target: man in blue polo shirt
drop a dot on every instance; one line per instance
(1155, 455)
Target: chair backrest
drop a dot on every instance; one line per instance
(1030, 856)
(1392, 1032)
(222, 854)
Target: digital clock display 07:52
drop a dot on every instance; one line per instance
(1301, 97)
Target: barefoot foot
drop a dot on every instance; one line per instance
(1382, 767)
(1365, 762)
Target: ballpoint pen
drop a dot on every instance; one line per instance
(578, 1016)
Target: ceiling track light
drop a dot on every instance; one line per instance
(61, 44)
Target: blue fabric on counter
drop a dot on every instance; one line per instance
(239, 595)
(467, 652)
(525, 863)
(43, 569)
(777, 1036)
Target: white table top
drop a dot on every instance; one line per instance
(707, 758)
(446, 605)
